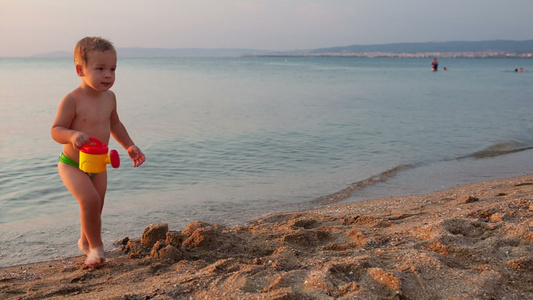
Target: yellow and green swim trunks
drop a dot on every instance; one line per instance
(67, 160)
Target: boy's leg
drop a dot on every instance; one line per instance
(100, 184)
(91, 203)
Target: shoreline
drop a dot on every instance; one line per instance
(476, 239)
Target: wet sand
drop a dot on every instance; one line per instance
(470, 242)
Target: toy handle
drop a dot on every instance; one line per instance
(93, 142)
(96, 141)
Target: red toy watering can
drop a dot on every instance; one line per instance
(94, 157)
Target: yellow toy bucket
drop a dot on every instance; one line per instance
(94, 157)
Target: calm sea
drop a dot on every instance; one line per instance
(231, 139)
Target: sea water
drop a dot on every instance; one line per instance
(232, 139)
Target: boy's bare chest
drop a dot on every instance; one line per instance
(93, 113)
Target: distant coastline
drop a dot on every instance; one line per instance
(488, 54)
(454, 49)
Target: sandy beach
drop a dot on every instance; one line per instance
(470, 242)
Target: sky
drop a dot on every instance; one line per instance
(29, 27)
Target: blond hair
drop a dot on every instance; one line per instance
(88, 45)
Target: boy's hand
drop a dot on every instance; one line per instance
(79, 139)
(136, 155)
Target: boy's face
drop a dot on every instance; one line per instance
(99, 72)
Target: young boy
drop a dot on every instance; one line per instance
(90, 111)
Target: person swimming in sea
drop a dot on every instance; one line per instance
(434, 65)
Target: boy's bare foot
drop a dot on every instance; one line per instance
(84, 247)
(95, 258)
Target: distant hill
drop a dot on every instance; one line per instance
(190, 52)
(180, 52)
(457, 46)
(505, 46)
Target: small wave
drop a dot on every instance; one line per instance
(502, 148)
(345, 193)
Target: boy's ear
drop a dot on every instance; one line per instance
(79, 70)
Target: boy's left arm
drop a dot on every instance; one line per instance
(120, 134)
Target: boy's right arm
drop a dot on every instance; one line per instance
(61, 131)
